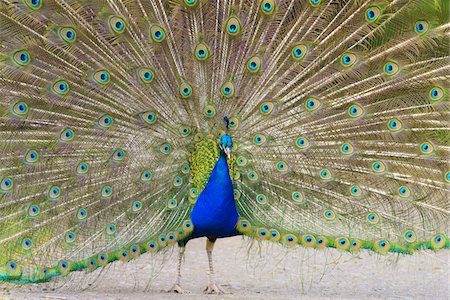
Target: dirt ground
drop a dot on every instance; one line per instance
(260, 271)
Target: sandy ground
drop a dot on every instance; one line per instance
(264, 271)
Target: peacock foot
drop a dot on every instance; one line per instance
(178, 289)
(212, 288)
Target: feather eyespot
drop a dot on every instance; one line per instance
(6, 185)
(348, 59)
(33, 4)
(26, 244)
(32, 156)
(110, 229)
(253, 65)
(261, 199)
(421, 27)
(268, 6)
(209, 111)
(233, 26)
(409, 236)
(117, 24)
(20, 109)
(438, 241)
(60, 87)
(355, 111)
(297, 197)
(102, 77)
(69, 237)
(67, 135)
(342, 243)
(325, 174)
(329, 215)
(299, 52)
(436, 93)
(149, 117)
(378, 167)
(33, 210)
(201, 52)
(302, 143)
(259, 139)
(373, 13)
(106, 192)
(312, 104)
(82, 168)
(404, 192)
(185, 90)
(346, 149)
(67, 34)
(54, 192)
(118, 155)
(81, 214)
(165, 148)
(391, 68)
(191, 3)
(355, 191)
(136, 206)
(146, 75)
(373, 218)
(21, 58)
(227, 89)
(105, 121)
(395, 125)
(266, 108)
(427, 148)
(315, 3)
(157, 33)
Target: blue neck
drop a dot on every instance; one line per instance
(214, 214)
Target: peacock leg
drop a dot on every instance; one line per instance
(176, 288)
(211, 288)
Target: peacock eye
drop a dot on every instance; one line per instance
(254, 64)
(21, 58)
(191, 3)
(355, 111)
(67, 135)
(395, 125)
(20, 109)
(118, 155)
(185, 90)
(227, 90)
(426, 148)
(373, 13)
(102, 77)
(146, 75)
(233, 26)
(421, 27)
(157, 33)
(33, 4)
(105, 121)
(268, 6)
(117, 24)
(348, 59)
(312, 104)
(60, 87)
(325, 174)
(149, 117)
(315, 3)
(209, 111)
(67, 34)
(165, 148)
(436, 94)
(391, 68)
(346, 149)
(261, 199)
(298, 52)
(201, 52)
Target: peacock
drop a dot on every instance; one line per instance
(129, 126)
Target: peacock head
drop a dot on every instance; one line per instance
(225, 144)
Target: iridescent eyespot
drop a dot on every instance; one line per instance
(185, 90)
(157, 33)
(178, 181)
(297, 197)
(106, 192)
(146, 176)
(165, 148)
(312, 104)
(233, 26)
(325, 174)
(348, 59)
(282, 166)
(252, 175)
(266, 108)
(67, 135)
(82, 168)
(447, 176)
(21, 58)
(110, 229)
(233, 123)
(395, 125)
(355, 111)
(373, 218)
(149, 117)
(185, 168)
(382, 246)
(290, 240)
(355, 245)
(409, 236)
(268, 6)
(241, 161)
(117, 24)
(185, 131)
(102, 77)
(236, 195)
(262, 233)
(209, 111)
(13, 269)
(33, 4)
(373, 13)
(426, 148)
(6, 184)
(146, 75)
(105, 121)
(421, 27)
(321, 242)
(302, 143)
(438, 241)
(391, 68)
(33, 210)
(342, 243)
(253, 64)
(193, 192)
(60, 87)
(308, 240)
(329, 215)
(136, 206)
(69, 237)
(172, 203)
(191, 3)
(378, 167)
(118, 155)
(54, 192)
(31, 156)
(346, 149)
(243, 225)
(298, 52)
(261, 199)
(227, 89)
(404, 192)
(81, 214)
(26, 244)
(436, 93)
(259, 139)
(201, 52)
(355, 191)
(315, 3)
(67, 34)
(20, 109)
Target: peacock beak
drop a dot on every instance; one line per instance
(228, 151)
